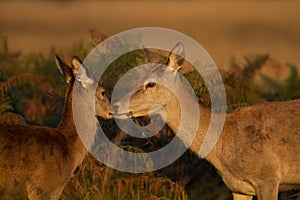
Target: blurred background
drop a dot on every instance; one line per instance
(256, 45)
(224, 28)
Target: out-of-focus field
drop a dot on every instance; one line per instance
(224, 28)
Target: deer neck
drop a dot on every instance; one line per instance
(173, 120)
(77, 147)
(67, 114)
(174, 113)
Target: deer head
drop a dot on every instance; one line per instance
(78, 72)
(154, 87)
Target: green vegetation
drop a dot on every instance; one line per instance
(32, 92)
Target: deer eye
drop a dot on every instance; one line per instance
(103, 93)
(150, 85)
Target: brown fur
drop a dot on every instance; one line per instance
(36, 162)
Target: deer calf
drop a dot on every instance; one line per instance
(37, 162)
(258, 152)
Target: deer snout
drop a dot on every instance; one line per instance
(109, 115)
(119, 112)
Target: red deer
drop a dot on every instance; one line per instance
(258, 152)
(36, 162)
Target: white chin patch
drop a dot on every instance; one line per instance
(121, 116)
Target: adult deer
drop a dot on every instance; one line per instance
(37, 162)
(258, 152)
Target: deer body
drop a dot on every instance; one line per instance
(254, 150)
(260, 145)
(258, 152)
(22, 175)
(37, 162)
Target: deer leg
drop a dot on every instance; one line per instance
(241, 197)
(268, 194)
(55, 193)
(39, 194)
(267, 190)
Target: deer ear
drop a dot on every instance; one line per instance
(64, 69)
(176, 57)
(152, 58)
(80, 72)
